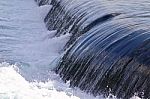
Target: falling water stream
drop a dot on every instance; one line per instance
(26, 52)
(29, 52)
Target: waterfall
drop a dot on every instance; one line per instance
(109, 47)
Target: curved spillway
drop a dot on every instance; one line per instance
(110, 57)
(110, 40)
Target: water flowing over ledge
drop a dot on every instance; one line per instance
(26, 52)
(109, 47)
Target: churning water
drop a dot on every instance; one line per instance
(26, 52)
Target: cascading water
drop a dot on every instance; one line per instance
(109, 47)
(27, 51)
(110, 60)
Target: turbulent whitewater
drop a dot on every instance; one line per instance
(27, 52)
(30, 52)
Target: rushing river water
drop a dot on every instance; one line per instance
(27, 51)
(109, 48)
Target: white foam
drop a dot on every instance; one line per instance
(14, 86)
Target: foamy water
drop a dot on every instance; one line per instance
(27, 52)
(14, 86)
(30, 48)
